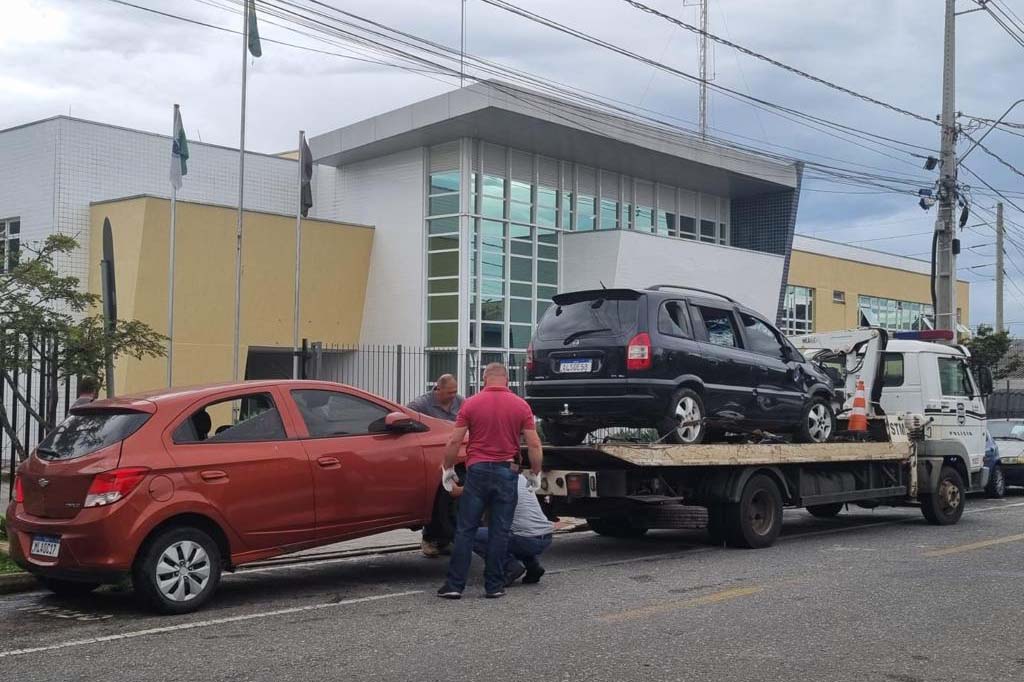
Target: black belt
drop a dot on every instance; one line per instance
(506, 464)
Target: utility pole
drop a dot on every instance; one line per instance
(946, 243)
(999, 267)
(702, 108)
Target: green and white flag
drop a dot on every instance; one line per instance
(254, 32)
(179, 151)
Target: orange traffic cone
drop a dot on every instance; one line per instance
(859, 414)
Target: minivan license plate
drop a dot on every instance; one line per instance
(46, 545)
(575, 366)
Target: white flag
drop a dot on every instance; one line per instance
(179, 151)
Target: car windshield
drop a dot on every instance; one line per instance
(611, 316)
(80, 434)
(1006, 430)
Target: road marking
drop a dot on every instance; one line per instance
(996, 507)
(202, 624)
(957, 549)
(714, 598)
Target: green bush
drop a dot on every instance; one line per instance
(3, 527)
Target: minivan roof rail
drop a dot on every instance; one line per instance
(659, 287)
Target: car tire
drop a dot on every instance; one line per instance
(67, 589)
(825, 511)
(616, 527)
(686, 406)
(817, 422)
(996, 483)
(560, 435)
(177, 570)
(756, 520)
(945, 506)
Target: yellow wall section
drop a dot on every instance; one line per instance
(335, 264)
(827, 273)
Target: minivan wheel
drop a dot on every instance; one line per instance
(557, 434)
(178, 570)
(684, 423)
(817, 422)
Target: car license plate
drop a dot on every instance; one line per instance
(46, 545)
(575, 366)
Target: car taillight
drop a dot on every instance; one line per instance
(638, 352)
(19, 491)
(111, 486)
(529, 358)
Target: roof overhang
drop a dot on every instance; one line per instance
(526, 120)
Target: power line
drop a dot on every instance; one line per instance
(792, 69)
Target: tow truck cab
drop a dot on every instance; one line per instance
(908, 372)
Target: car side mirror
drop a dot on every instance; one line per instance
(400, 422)
(985, 381)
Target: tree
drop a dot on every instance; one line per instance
(36, 302)
(989, 348)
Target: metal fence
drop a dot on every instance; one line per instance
(33, 397)
(1005, 404)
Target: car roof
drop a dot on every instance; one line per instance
(691, 295)
(176, 394)
(912, 346)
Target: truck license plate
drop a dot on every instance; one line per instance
(575, 366)
(46, 545)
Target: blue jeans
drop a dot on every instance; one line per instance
(521, 548)
(489, 486)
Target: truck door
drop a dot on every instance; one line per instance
(725, 366)
(960, 408)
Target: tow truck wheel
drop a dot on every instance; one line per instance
(996, 482)
(756, 520)
(945, 506)
(616, 527)
(825, 511)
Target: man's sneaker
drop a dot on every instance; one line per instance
(495, 595)
(429, 549)
(515, 574)
(449, 592)
(533, 576)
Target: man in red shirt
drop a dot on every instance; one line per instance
(495, 418)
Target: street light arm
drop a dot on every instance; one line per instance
(991, 128)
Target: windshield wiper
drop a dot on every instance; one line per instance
(575, 335)
(48, 451)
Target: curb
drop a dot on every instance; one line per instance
(12, 583)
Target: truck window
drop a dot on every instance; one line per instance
(892, 370)
(954, 377)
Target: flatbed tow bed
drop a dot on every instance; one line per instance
(623, 489)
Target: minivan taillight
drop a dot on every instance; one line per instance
(19, 491)
(111, 486)
(529, 358)
(638, 352)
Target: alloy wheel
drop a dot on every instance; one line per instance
(183, 571)
(819, 423)
(690, 420)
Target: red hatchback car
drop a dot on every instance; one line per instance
(173, 487)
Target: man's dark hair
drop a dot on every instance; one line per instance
(88, 385)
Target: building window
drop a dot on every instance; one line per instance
(798, 311)
(10, 243)
(838, 296)
(585, 212)
(894, 315)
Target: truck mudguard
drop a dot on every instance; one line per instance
(932, 454)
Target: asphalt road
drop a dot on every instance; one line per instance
(868, 596)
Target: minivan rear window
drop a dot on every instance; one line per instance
(81, 434)
(597, 317)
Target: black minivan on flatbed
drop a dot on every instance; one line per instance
(690, 363)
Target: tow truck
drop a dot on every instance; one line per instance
(924, 445)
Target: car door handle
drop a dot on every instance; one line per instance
(213, 475)
(328, 462)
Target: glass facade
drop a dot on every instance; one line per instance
(500, 244)
(894, 315)
(10, 243)
(798, 311)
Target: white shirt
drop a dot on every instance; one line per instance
(529, 520)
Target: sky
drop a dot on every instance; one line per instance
(104, 61)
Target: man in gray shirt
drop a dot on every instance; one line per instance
(530, 537)
(443, 402)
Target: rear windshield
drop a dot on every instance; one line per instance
(81, 434)
(597, 317)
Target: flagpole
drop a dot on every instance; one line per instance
(170, 267)
(241, 192)
(298, 264)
